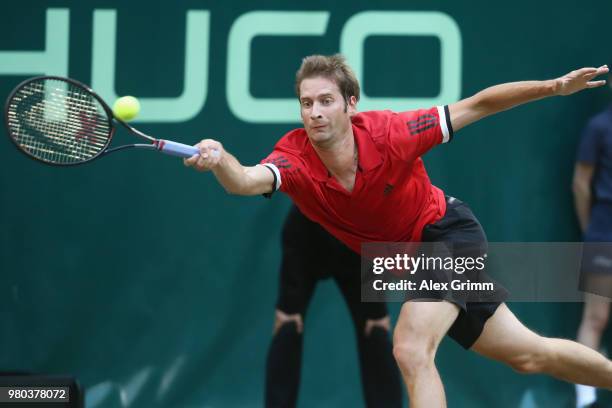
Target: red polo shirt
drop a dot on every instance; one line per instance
(392, 199)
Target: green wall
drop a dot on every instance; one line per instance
(156, 289)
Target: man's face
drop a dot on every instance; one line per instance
(324, 113)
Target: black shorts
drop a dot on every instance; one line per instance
(310, 254)
(459, 225)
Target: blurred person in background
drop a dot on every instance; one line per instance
(311, 254)
(592, 186)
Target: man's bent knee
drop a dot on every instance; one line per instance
(532, 362)
(413, 354)
(281, 318)
(525, 365)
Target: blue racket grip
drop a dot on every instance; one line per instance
(179, 149)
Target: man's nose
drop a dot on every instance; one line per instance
(315, 113)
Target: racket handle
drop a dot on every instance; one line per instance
(179, 149)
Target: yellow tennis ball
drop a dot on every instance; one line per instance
(126, 108)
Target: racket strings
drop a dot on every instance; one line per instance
(62, 128)
(58, 122)
(58, 147)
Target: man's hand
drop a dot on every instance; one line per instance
(211, 153)
(580, 79)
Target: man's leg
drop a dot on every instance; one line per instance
(300, 238)
(284, 362)
(506, 339)
(379, 374)
(595, 318)
(380, 377)
(418, 332)
(596, 282)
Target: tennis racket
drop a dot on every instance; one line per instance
(60, 121)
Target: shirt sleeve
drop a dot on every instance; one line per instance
(414, 133)
(284, 168)
(589, 144)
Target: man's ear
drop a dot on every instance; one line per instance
(352, 105)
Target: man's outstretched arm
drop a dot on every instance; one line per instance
(234, 177)
(505, 96)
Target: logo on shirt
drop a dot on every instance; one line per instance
(422, 123)
(280, 162)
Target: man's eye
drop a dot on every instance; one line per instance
(327, 101)
(306, 104)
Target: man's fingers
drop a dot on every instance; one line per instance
(595, 84)
(599, 71)
(202, 160)
(591, 72)
(586, 71)
(207, 157)
(603, 70)
(191, 161)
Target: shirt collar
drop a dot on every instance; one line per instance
(369, 156)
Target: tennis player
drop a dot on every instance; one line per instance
(361, 176)
(311, 254)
